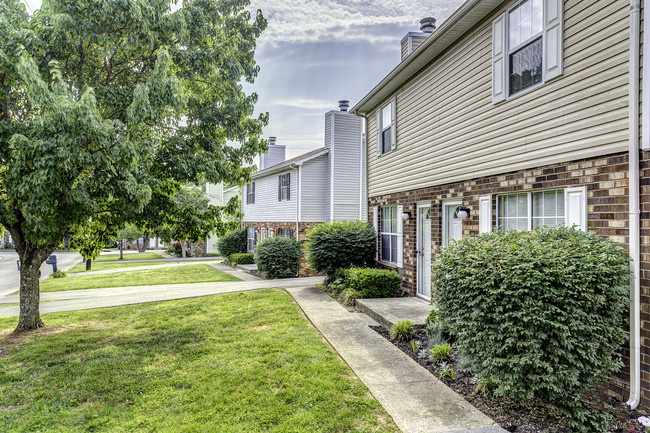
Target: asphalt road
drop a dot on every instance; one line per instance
(10, 278)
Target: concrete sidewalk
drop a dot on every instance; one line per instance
(417, 401)
(112, 297)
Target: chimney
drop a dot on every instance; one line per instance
(412, 40)
(275, 155)
(427, 25)
(343, 105)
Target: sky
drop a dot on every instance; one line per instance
(317, 52)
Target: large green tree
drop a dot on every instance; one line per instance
(109, 107)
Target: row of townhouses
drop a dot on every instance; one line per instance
(510, 115)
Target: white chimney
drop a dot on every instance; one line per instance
(412, 40)
(275, 155)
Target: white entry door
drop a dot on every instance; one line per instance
(452, 224)
(424, 252)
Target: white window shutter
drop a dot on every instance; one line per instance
(485, 214)
(375, 224)
(400, 237)
(575, 207)
(393, 129)
(499, 59)
(379, 128)
(553, 38)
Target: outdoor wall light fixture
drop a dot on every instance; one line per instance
(463, 213)
(406, 216)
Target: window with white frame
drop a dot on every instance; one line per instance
(527, 45)
(284, 233)
(270, 233)
(250, 193)
(386, 134)
(526, 211)
(251, 238)
(388, 233)
(284, 187)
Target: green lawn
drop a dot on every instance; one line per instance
(239, 362)
(106, 266)
(178, 275)
(128, 256)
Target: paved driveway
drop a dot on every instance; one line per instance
(10, 278)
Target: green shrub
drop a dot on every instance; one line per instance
(402, 330)
(58, 274)
(540, 313)
(174, 250)
(372, 283)
(341, 244)
(232, 243)
(440, 352)
(241, 259)
(349, 296)
(212, 255)
(278, 257)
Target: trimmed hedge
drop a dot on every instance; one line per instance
(241, 259)
(540, 314)
(341, 244)
(372, 283)
(278, 257)
(232, 243)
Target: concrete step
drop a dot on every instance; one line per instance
(388, 311)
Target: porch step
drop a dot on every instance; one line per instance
(388, 311)
(248, 268)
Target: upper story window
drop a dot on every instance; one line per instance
(250, 193)
(525, 27)
(284, 187)
(386, 134)
(527, 43)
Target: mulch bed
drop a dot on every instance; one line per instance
(513, 415)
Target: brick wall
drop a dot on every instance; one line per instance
(606, 179)
(305, 271)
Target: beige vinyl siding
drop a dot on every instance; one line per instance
(449, 130)
(314, 190)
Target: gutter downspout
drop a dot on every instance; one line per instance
(634, 230)
(298, 198)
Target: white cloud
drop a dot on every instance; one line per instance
(345, 20)
(306, 104)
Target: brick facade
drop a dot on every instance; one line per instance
(606, 180)
(305, 271)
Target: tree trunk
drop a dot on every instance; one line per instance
(31, 259)
(89, 264)
(121, 249)
(137, 244)
(183, 249)
(145, 244)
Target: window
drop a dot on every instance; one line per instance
(251, 238)
(250, 193)
(525, 26)
(526, 46)
(527, 211)
(270, 233)
(284, 233)
(386, 128)
(389, 234)
(284, 187)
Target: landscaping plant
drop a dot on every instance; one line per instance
(232, 243)
(440, 352)
(341, 244)
(241, 259)
(402, 330)
(278, 257)
(372, 283)
(541, 313)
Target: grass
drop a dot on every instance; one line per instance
(240, 362)
(178, 275)
(107, 266)
(128, 256)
